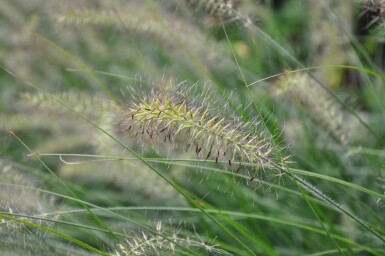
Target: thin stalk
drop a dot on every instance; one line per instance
(317, 193)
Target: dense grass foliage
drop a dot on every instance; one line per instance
(192, 127)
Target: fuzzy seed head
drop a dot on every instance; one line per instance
(320, 107)
(165, 243)
(226, 9)
(165, 118)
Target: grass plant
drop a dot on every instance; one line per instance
(208, 127)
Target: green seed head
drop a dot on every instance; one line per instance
(164, 118)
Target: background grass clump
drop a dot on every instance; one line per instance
(226, 127)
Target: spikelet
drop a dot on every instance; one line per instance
(16, 200)
(376, 7)
(319, 106)
(167, 29)
(163, 243)
(225, 9)
(372, 17)
(80, 102)
(66, 134)
(328, 39)
(32, 121)
(123, 175)
(170, 117)
(129, 176)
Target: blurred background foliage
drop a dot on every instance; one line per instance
(96, 56)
